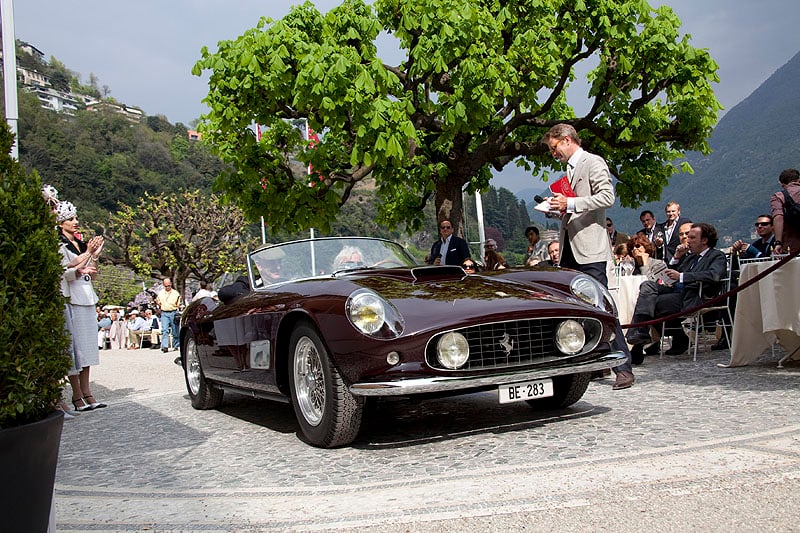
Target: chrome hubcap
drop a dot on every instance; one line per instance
(309, 381)
(192, 367)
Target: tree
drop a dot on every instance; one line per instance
(181, 236)
(481, 82)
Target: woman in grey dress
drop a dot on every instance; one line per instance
(80, 268)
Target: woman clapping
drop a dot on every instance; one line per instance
(80, 268)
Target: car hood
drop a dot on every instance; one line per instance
(450, 295)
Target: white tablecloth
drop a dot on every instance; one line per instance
(766, 312)
(625, 291)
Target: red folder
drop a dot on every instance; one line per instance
(562, 186)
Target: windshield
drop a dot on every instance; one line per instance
(323, 257)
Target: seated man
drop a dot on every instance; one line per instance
(137, 328)
(553, 251)
(761, 247)
(705, 265)
(154, 325)
(536, 252)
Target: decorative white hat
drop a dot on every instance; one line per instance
(50, 194)
(65, 211)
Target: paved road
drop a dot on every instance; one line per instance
(689, 447)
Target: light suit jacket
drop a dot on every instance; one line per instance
(586, 228)
(76, 287)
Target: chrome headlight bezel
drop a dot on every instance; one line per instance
(591, 291)
(374, 316)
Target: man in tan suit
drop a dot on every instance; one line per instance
(583, 236)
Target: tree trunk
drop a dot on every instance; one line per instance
(449, 203)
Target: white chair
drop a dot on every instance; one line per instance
(694, 324)
(697, 319)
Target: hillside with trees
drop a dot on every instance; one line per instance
(752, 144)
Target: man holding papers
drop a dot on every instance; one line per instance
(582, 197)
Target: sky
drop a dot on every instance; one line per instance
(144, 50)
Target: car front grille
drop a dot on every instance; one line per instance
(504, 344)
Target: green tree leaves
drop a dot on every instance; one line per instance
(181, 235)
(480, 83)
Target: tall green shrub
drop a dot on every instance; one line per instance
(33, 343)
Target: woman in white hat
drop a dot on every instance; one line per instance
(80, 268)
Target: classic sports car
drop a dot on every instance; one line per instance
(328, 323)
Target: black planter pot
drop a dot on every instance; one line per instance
(28, 460)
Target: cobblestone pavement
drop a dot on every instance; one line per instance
(689, 447)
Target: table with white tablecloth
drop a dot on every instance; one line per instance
(766, 312)
(625, 291)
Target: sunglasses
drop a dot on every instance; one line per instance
(762, 224)
(468, 267)
(609, 225)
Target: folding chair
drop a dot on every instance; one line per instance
(144, 335)
(697, 319)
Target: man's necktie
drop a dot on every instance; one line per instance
(693, 262)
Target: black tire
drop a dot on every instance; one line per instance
(202, 393)
(328, 414)
(566, 391)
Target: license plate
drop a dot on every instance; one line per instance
(529, 390)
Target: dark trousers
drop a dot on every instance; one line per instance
(660, 300)
(598, 272)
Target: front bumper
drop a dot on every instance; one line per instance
(403, 387)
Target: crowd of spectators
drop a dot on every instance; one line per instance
(132, 327)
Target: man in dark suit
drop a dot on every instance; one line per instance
(762, 247)
(669, 241)
(705, 264)
(450, 249)
(615, 237)
(651, 229)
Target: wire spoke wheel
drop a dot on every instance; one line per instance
(327, 412)
(309, 381)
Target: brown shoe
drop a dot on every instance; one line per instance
(624, 381)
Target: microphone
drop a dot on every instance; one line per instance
(538, 199)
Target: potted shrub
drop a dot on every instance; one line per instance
(33, 352)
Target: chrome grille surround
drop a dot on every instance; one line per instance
(513, 343)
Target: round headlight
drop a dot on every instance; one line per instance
(570, 337)
(452, 350)
(366, 312)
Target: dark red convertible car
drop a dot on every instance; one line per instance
(329, 323)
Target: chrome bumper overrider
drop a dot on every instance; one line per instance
(454, 383)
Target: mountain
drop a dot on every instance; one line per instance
(752, 144)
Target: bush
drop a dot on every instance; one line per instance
(33, 356)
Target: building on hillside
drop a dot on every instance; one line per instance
(194, 135)
(58, 101)
(30, 49)
(547, 235)
(30, 77)
(133, 114)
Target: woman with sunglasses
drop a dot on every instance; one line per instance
(643, 252)
(470, 266)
